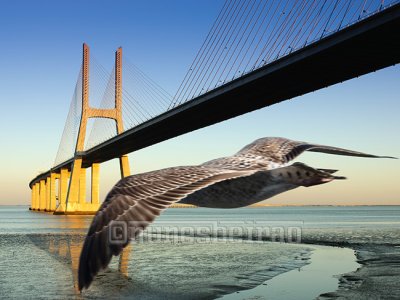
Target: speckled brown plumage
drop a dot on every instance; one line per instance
(255, 173)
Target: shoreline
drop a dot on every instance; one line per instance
(379, 272)
(376, 276)
(180, 205)
(326, 263)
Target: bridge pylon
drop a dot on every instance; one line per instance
(72, 194)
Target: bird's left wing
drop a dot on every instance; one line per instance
(283, 150)
(132, 204)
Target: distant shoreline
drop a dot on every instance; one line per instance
(178, 205)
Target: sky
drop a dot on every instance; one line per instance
(40, 60)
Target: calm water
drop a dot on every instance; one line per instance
(18, 219)
(307, 282)
(39, 252)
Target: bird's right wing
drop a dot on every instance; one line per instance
(132, 204)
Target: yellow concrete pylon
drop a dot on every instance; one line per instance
(73, 189)
(52, 190)
(48, 189)
(42, 195)
(62, 191)
(37, 192)
(75, 202)
(34, 202)
(95, 184)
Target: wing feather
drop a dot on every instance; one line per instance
(281, 150)
(139, 199)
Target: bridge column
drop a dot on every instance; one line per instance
(73, 189)
(124, 166)
(123, 160)
(95, 188)
(42, 194)
(62, 191)
(76, 203)
(52, 192)
(82, 186)
(37, 197)
(48, 183)
(34, 198)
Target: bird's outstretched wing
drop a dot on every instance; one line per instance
(132, 204)
(283, 150)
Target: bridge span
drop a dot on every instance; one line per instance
(363, 47)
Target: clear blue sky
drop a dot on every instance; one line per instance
(41, 56)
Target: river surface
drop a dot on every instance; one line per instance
(194, 253)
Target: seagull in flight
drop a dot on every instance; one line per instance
(257, 172)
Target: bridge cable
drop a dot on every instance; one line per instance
(233, 34)
(270, 37)
(201, 50)
(216, 48)
(239, 42)
(205, 52)
(254, 37)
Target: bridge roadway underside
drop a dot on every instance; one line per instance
(364, 47)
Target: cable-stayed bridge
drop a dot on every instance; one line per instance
(256, 54)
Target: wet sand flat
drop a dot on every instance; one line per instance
(377, 251)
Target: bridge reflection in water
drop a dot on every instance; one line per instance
(177, 266)
(66, 248)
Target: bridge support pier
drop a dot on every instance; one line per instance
(34, 198)
(76, 195)
(73, 195)
(51, 192)
(48, 192)
(37, 196)
(62, 190)
(124, 166)
(32, 207)
(72, 202)
(95, 184)
(53, 178)
(42, 195)
(82, 186)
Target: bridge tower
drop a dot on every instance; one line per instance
(72, 195)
